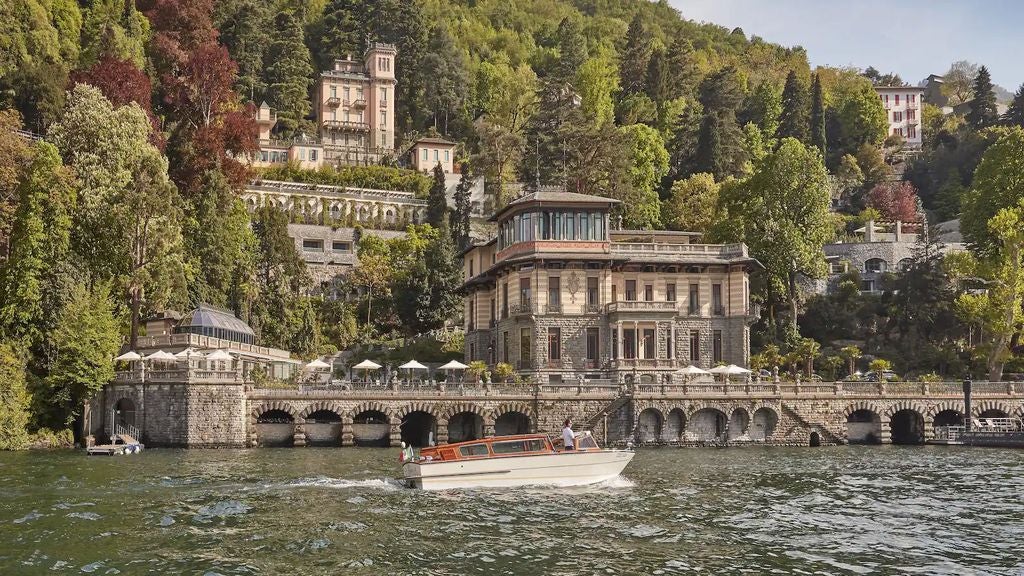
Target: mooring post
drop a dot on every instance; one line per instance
(967, 404)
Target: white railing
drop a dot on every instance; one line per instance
(720, 250)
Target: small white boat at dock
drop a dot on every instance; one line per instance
(510, 461)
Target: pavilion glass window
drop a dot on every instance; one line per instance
(585, 232)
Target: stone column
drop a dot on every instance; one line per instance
(299, 438)
(442, 431)
(885, 433)
(488, 427)
(929, 429)
(396, 432)
(346, 431)
(672, 340)
(618, 352)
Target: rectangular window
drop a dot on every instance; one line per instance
(897, 99)
(570, 226)
(593, 298)
(614, 295)
(648, 293)
(383, 94)
(554, 291)
(312, 155)
(446, 155)
(472, 315)
(334, 91)
(504, 300)
(670, 292)
(436, 155)
(912, 131)
(524, 291)
(593, 343)
(615, 343)
(312, 244)
(716, 345)
(911, 114)
(470, 268)
(554, 343)
(630, 290)
(426, 154)
(695, 346)
(649, 345)
(524, 345)
(302, 154)
(629, 343)
(694, 299)
(341, 246)
(912, 97)
(504, 346)
(716, 300)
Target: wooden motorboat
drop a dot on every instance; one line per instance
(508, 461)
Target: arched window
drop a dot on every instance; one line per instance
(876, 265)
(905, 264)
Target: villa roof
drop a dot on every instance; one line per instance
(210, 316)
(433, 140)
(551, 196)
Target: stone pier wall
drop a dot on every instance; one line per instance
(229, 414)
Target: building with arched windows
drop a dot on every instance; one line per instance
(560, 291)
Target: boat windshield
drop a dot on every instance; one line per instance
(514, 446)
(586, 441)
(474, 450)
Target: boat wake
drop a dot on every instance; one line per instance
(343, 483)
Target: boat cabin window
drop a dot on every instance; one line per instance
(514, 446)
(474, 450)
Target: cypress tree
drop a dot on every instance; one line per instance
(437, 201)
(794, 120)
(681, 67)
(983, 106)
(289, 73)
(817, 115)
(656, 84)
(1014, 115)
(463, 206)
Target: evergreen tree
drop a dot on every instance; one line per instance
(656, 83)
(339, 33)
(444, 278)
(289, 73)
(244, 27)
(14, 399)
(1014, 115)
(681, 66)
(446, 79)
(720, 148)
(794, 122)
(635, 56)
(817, 115)
(983, 106)
(572, 50)
(437, 200)
(463, 207)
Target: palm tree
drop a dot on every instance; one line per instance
(851, 354)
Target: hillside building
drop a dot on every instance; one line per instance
(903, 111)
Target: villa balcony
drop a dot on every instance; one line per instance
(346, 126)
(553, 308)
(522, 309)
(333, 101)
(359, 103)
(382, 103)
(648, 306)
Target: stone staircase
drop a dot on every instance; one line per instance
(595, 422)
(828, 436)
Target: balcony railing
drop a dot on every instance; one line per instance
(346, 125)
(524, 307)
(714, 250)
(718, 310)
(334, 101)
(593, 308)
(641, 306)
(553, 308)
(383, 103)
(359, 103)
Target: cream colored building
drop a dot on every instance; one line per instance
(354, 106)
(427, 153)
(558, 292)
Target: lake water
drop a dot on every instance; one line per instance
(840, 510)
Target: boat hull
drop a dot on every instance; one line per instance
(558, 469)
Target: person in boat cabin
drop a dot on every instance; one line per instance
(568, 436)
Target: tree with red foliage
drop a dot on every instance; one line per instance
(179, 27)
(897, 201)
(121, 82)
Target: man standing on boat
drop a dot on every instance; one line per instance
(568, 436)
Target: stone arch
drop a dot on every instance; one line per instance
(675, 425)
(904, 264)
(739, 423)
(417, 423)
(504, 407)
(906, 423)
(706, 424)
(511, 418)
(905, 405)
(863, 424)
(124, 411)
(462, 407)
(274, 405)
(321, 406)
(763, 423)
(815, 439)
(648, 425)
(876, 265)
(943, 406)
(990, 406)
(856, 406)
(370, 407)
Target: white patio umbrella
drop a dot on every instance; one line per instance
(218, 355)
(691, 371)
(160, 355)
(366, 366)
(410, 366)
(454, 365)
(129, 356)
(733, 369)
(719, 370)
(318, 364)
(189, 353)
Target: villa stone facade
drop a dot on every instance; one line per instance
(560, 295)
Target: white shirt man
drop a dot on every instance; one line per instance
(568, 436)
